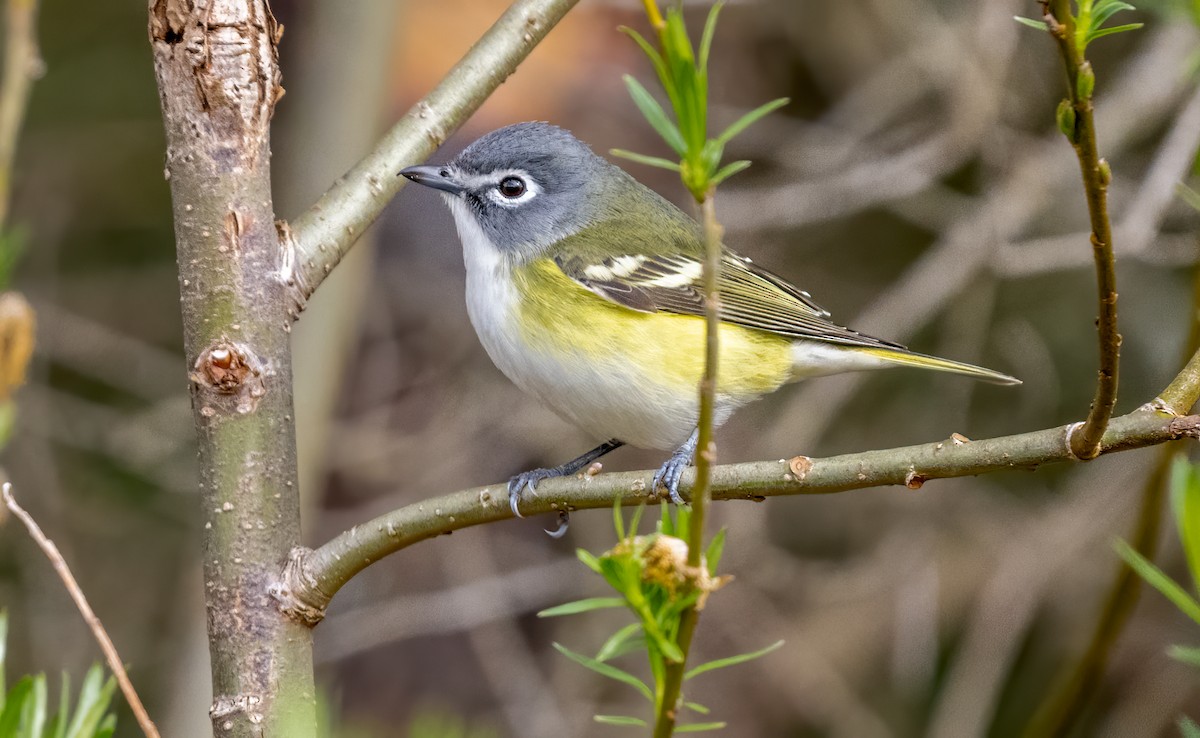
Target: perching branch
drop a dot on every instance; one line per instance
(1080, 128)
(318, 239)
(89, 616)
(22, 65)
(312, 577)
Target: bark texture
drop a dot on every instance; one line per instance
(218, 80)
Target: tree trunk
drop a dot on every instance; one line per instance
(218, 81)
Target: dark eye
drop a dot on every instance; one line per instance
(512, 187)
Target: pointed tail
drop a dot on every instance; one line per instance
(906, 358)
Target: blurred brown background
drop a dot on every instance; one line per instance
(915, 185)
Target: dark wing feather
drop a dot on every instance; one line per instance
(673, 283)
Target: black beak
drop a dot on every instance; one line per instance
(439, 178)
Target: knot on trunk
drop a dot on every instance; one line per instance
(228, 368)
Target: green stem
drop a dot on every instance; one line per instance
(706, 451)
(1085, 441)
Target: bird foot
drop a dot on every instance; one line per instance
(528, 480)
(669, 474)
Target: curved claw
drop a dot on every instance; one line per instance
(564, 521)
(527, 480)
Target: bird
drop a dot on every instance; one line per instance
(585, 288)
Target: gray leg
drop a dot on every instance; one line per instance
(530, 479)
(669, 473)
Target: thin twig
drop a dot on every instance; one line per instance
(320, 237)
(1085, 441)
(89, 617)
(22, 65)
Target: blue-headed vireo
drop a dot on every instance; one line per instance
(585, 288)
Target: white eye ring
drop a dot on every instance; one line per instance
(528, 189)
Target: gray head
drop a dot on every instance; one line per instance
(525, 186)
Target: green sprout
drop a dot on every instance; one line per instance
(683, 72)
(1185, 506)
(24, 708)
(653, 581)
(1089, 20)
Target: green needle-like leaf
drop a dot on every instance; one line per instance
(729, 170)
(589, 559)
(58, 728)
(1186, 654)
(36, 723)
(697, 707)
(1185, 503)
(623, 720)
(1160, 581)
(1188, 727)
(607, 670)
(618, 520)
(1096, 33)
(1104, 10)
(750, 119)
(655, 115)
(1040, 25)
(3, 652)
(14, 706)
(1187, 194)
(578, 606)
(716, 547)
(624, 641)
(731, 661)
(710, 30)
(698, 727)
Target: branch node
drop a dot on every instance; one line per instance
(293, 279)
(1159, 405)
(297, 592)
(229, 368)
(226, 706)
(913, 480)
(800, 466)
(1069, 440)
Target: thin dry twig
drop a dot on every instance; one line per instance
(81, 603)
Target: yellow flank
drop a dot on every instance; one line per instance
(558, 314)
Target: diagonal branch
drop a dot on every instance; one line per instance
(318, 239)
(312, 577)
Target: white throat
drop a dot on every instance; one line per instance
(490, 293)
